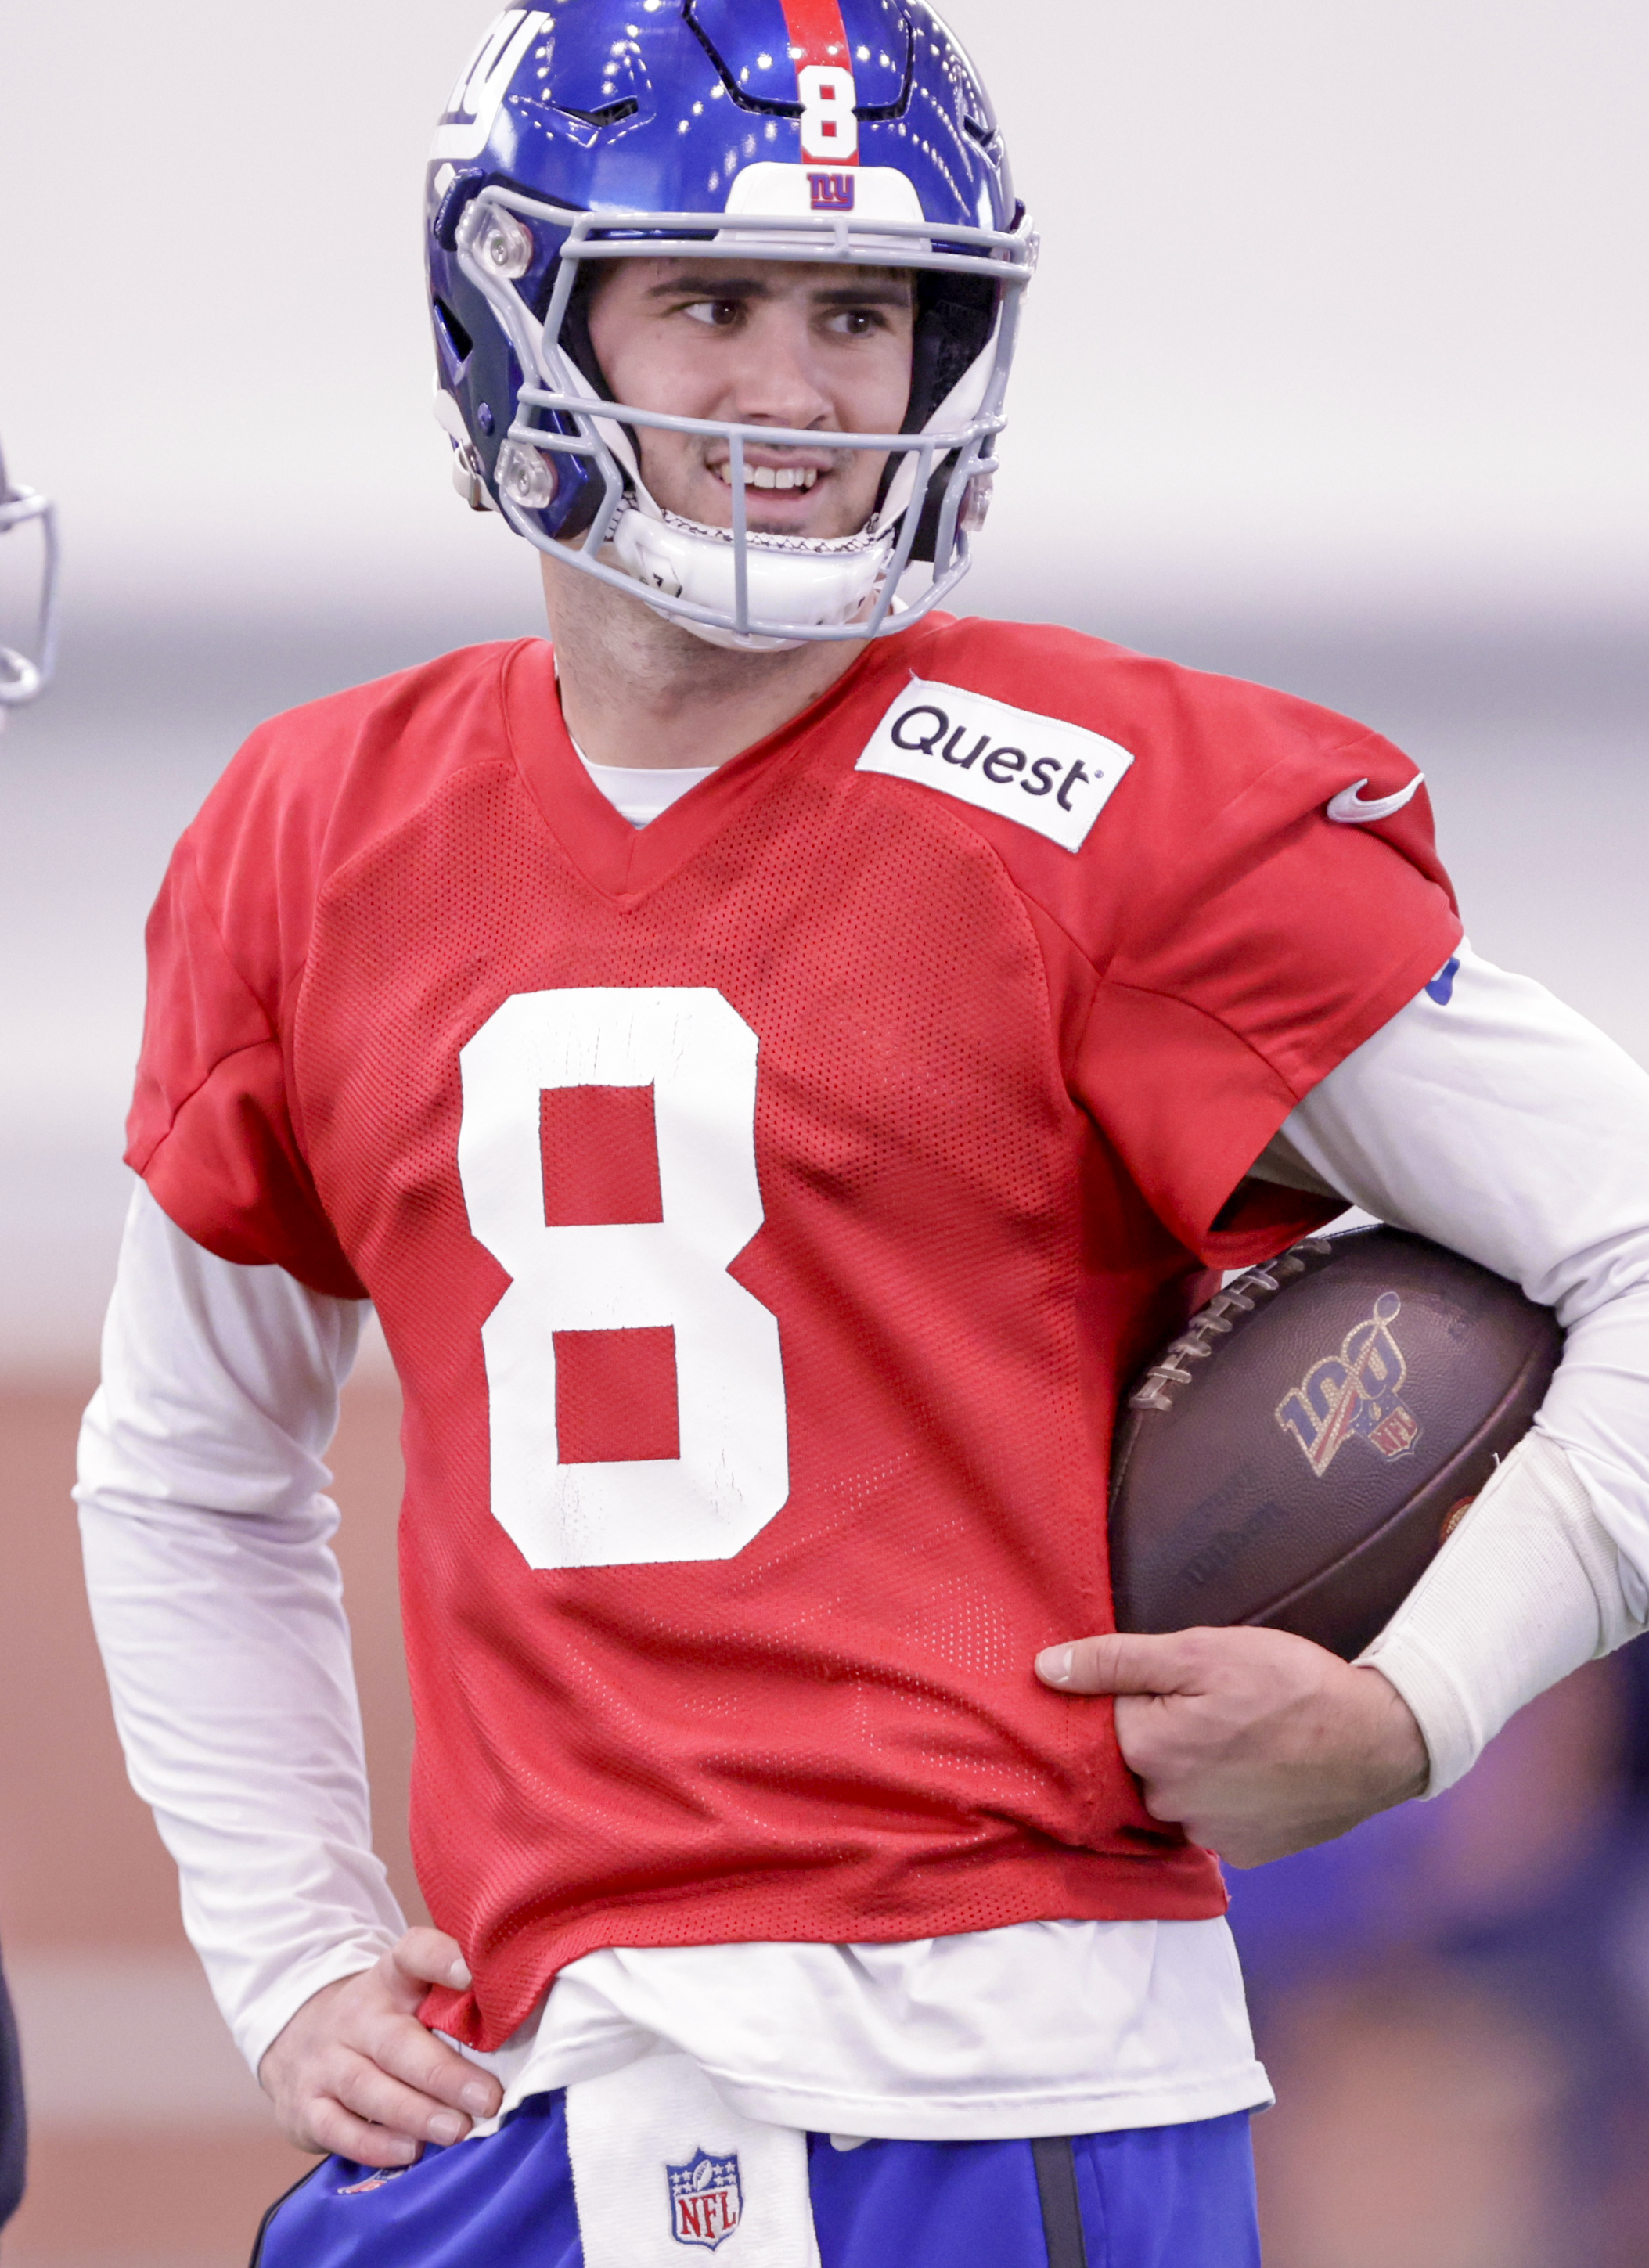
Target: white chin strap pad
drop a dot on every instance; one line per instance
(815, 584)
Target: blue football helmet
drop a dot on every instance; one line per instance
(850, 131)
(21, 678)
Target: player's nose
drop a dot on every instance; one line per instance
(779, 382)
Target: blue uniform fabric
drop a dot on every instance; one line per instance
(1156, 2197)
(13, 2125)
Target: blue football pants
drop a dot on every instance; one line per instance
(1152, 2197)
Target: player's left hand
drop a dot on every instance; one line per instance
(1254, 1741)
(356, 2072)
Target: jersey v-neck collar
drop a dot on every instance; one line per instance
(625, 862)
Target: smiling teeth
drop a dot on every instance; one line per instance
(773, 477)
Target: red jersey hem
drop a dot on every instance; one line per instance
(1183, 1884)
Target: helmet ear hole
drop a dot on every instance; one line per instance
(453, 342)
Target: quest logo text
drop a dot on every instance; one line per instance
(1043, 773)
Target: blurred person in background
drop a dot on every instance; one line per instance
(23, 675)
(1454, 2004)
(778, 1899)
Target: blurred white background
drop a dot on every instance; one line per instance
(1337, 301)
(1335, 374)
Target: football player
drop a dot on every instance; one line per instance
(22, 679)
(778, 1057)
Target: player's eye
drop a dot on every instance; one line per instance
(719, 314)
(856, 322)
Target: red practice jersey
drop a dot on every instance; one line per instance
(765, 1210)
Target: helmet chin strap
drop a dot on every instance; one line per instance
(807, 580)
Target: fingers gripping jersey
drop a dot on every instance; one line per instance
(763, 1209)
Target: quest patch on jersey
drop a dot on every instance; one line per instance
(1046, 774)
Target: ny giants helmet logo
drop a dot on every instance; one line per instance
(475, 101)
(1354, 1394)
(706, 2199)
(831, 192)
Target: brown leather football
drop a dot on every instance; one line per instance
(1296, 1456)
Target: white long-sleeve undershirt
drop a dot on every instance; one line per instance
(1499, 1124)
(1511, 1130)
(219, 1606)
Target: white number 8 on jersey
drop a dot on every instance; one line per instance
(732, 1475)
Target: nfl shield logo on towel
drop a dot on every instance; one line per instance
(705, 2200)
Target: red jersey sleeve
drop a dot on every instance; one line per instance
(1275, 945)
(211, 1129)
(216, 1127)
(1219, 943)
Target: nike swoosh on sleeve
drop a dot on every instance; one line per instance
(1352, 811)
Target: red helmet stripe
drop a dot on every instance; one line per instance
(818, 35)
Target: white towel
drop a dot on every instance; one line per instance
(661, 2166)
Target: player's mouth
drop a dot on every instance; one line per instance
(784, 477)
(787, 491)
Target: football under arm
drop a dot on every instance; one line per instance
(1502, 1124)
(218, 1608)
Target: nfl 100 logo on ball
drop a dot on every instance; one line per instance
(1353, 1395)
(706, 2199)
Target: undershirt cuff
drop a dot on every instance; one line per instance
(1527, 1589)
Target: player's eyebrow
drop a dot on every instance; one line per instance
(876, 290)
(711, 287)
(877, 287)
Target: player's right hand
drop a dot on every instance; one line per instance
(1256, 1742)
(354, 2072)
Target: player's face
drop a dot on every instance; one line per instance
(760, 342)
